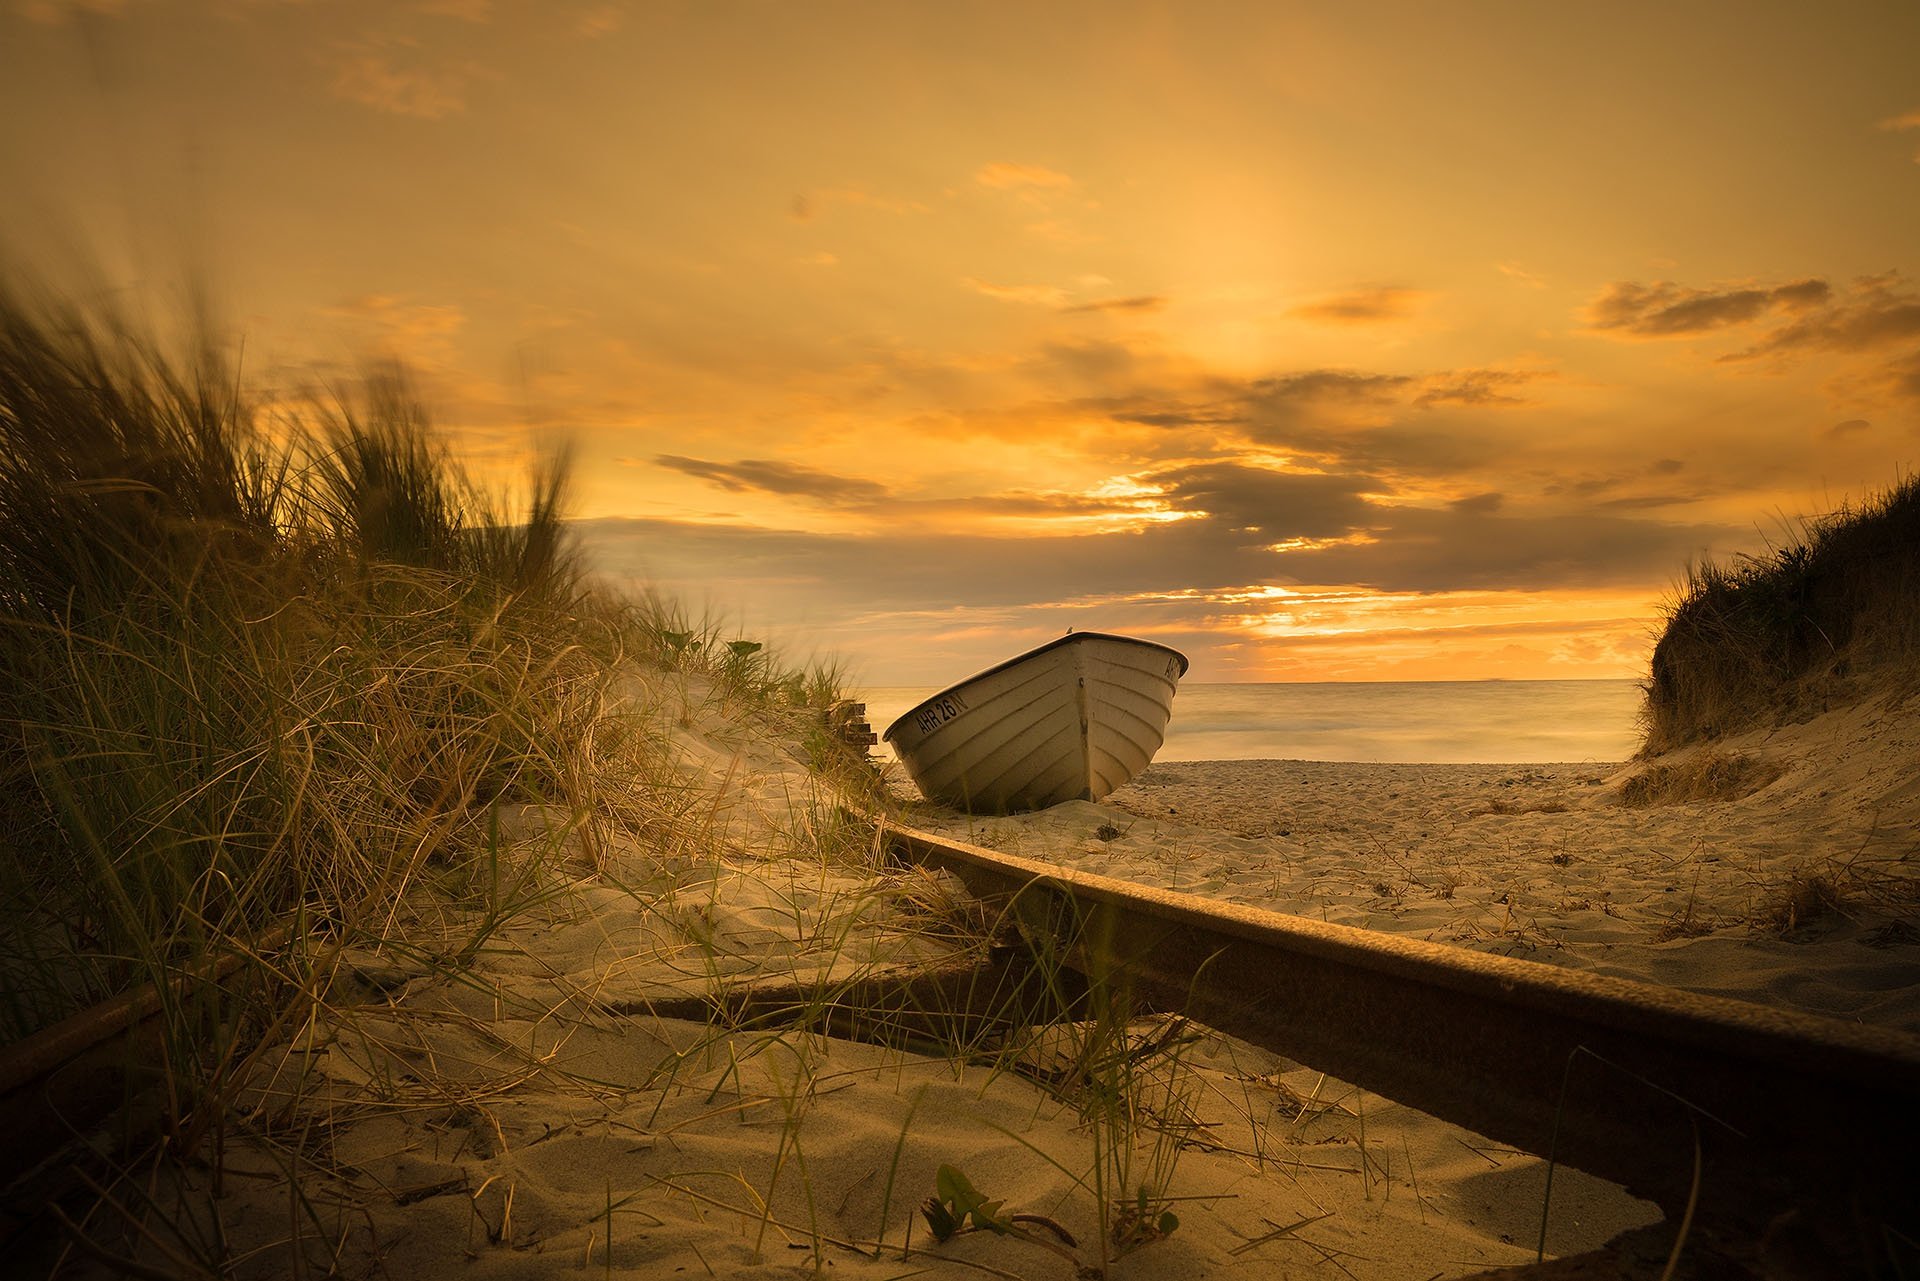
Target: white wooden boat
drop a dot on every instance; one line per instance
(1071, 720)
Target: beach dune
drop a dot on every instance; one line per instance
(577, 1100)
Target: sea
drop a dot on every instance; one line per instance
(1457, 722)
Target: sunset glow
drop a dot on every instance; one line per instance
(1380, 341)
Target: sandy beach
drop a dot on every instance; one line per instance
(569, 1103)
(1708, 869)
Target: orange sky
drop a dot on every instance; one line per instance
(1371, 341)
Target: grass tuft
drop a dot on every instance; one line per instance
(1701, 776)
(261, 673)
(1782, 635)
(1853, 888)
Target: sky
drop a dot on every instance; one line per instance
(1387, 340)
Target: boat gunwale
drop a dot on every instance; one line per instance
(1017, 659)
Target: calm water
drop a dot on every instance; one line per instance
(1492, 722)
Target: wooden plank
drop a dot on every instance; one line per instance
(971, 1000)
(1610, 1076)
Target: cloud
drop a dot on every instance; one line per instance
(1149, 412)
(1877, 311)
(1476, 387)
(1905, 120)
(1667, 310)
(1421, 549)
(1353, 417)
(1362, 306)
(1140, 302)
(1003, 176)
(1870, 315)
(372, 75)
(806, 574)
(770, 476)
(1280, 410)
(1060, 299)
(1277, 505)
(1126, 504)
(807, 205)
(1029, 295)
(1479, 504)
(1514, 271)
(1850, 427)
(1320, 385)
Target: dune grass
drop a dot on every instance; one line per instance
(1832, 609)
(278, 692)
(260, 673)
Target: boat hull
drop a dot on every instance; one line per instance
(1072, 720)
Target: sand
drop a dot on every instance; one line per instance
(1623, 869)
(561, 1106)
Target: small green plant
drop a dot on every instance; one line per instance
(1141, 1222)
(957, 1206)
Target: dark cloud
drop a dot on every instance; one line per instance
(1279, 505)
(1479, 503)
(1476, 387)
(1154, 414)
(1279, 398)
(1593, 491)
(1805, 293)
(1876, 312)
(1017, 503)
(770, 476)
(791, 480)
(1308, 411)
(1850, 427)
(805, 577)
(1142, 302)
(1324, 385)
(1362, 306)
(1423, 550)
(1667, 310)
(1345, 418)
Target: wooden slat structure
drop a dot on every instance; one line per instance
(1803, 1124)
(847, 721)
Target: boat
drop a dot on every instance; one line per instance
(1072, 720)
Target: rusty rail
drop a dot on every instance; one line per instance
(1609, 1076)
(59, 1083)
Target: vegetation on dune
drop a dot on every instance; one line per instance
(267, 677)
(1787, 633)
(267, 671)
